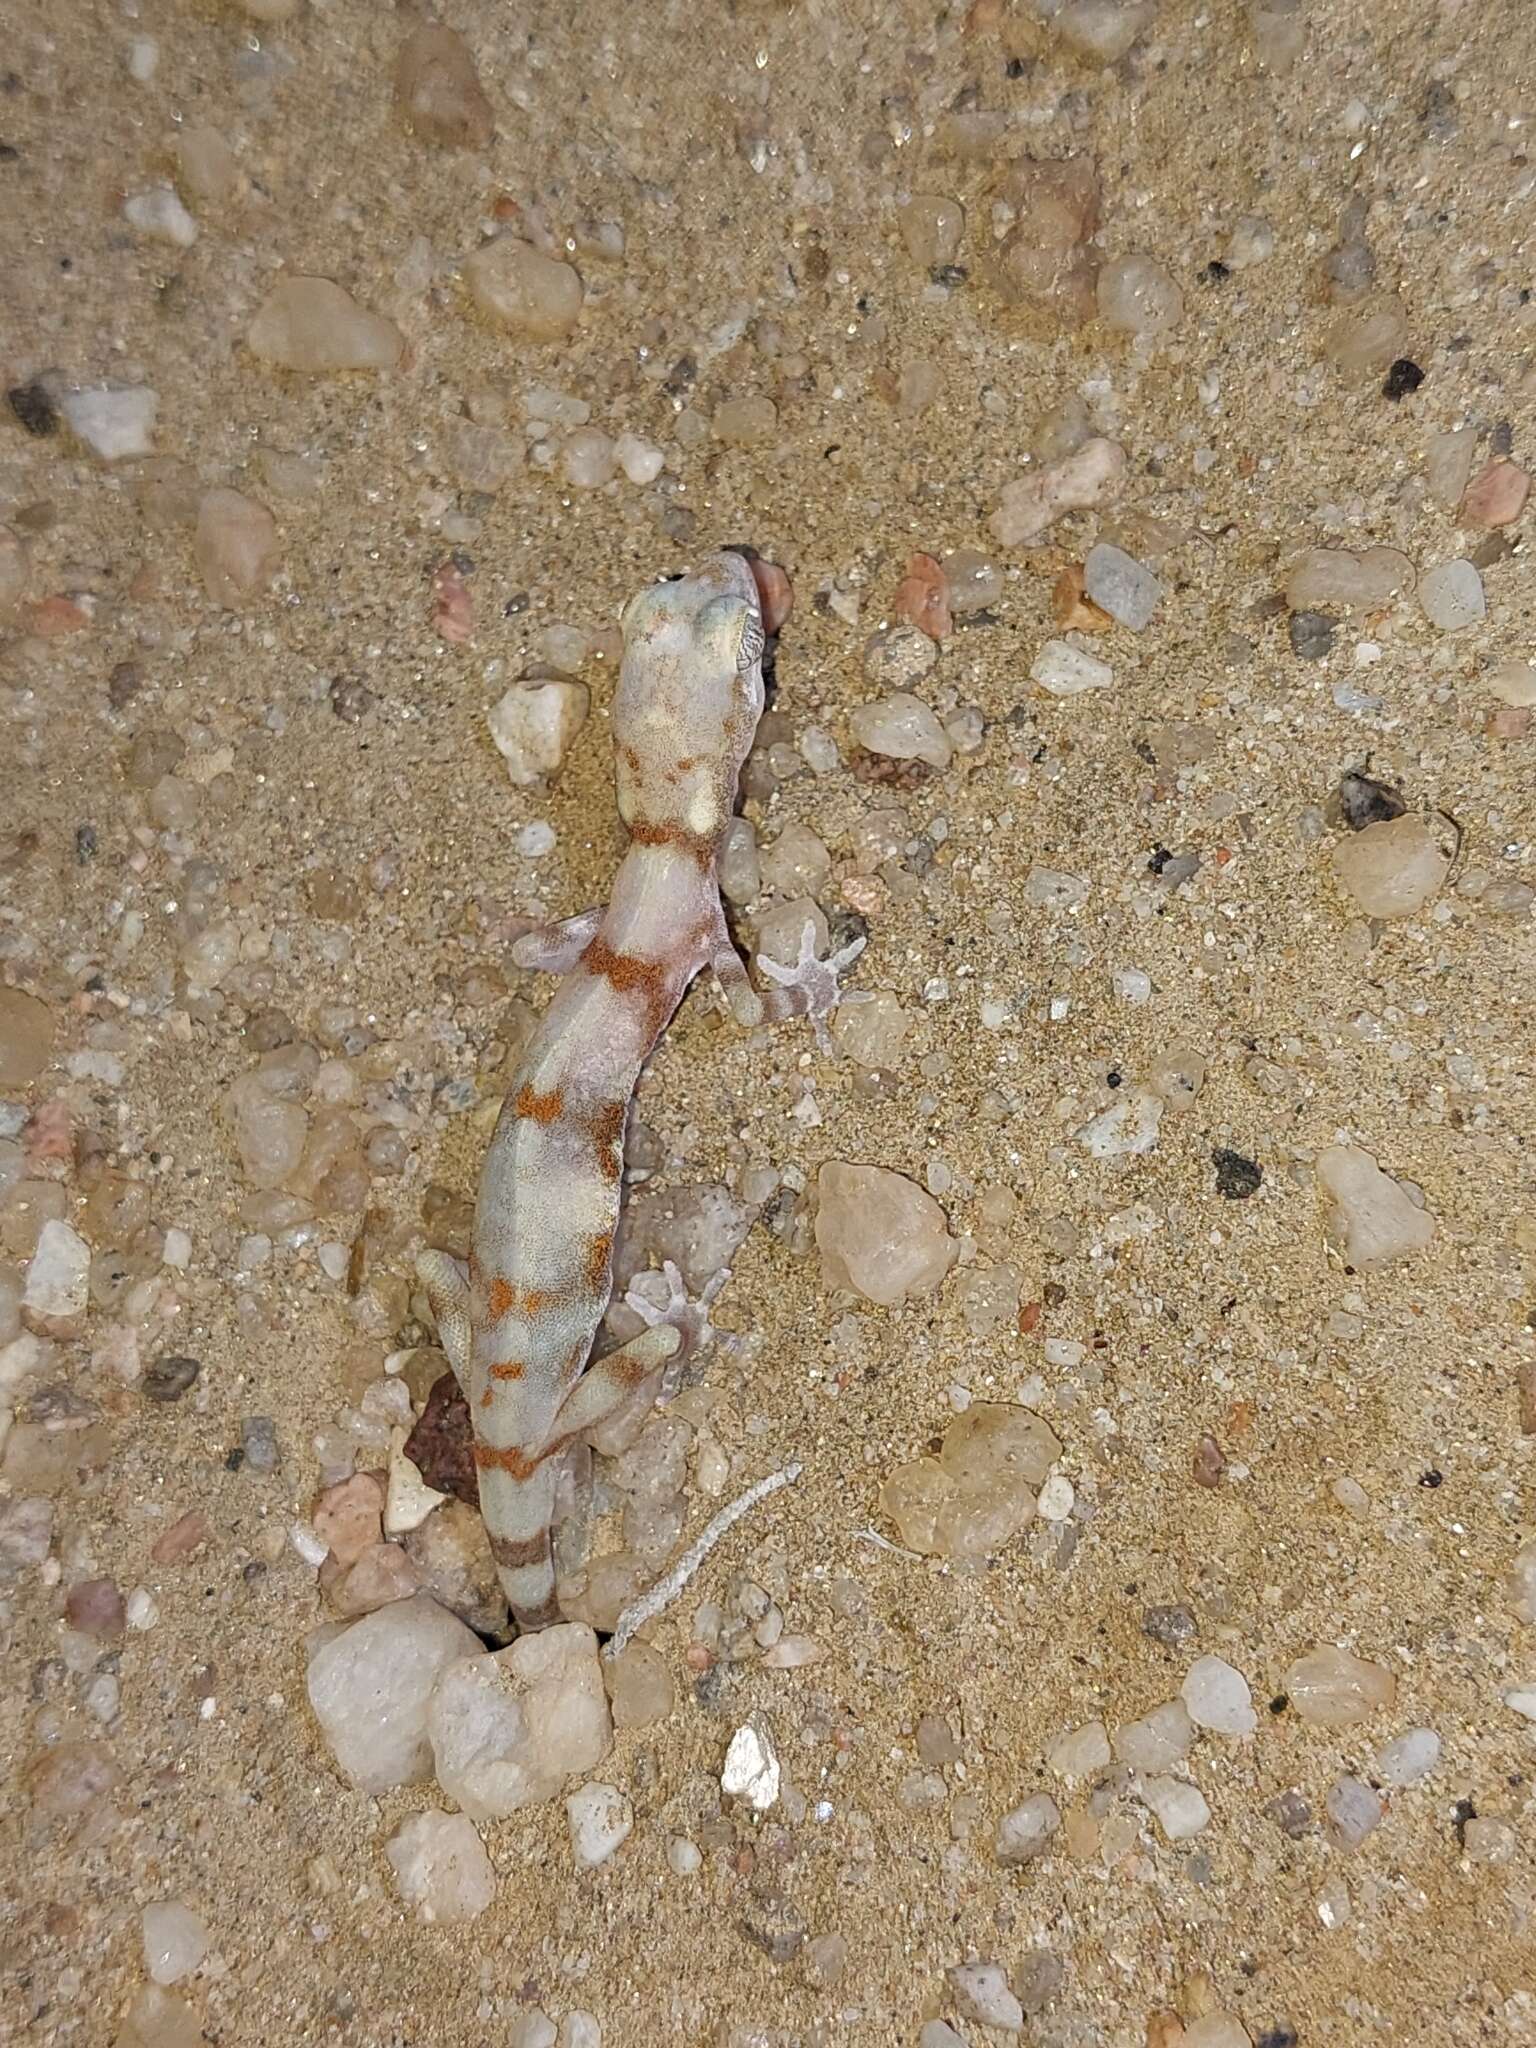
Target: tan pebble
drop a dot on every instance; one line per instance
(183, 1537)
(922, 598)
(437, 91)
(521, 288)
(1509, 722)
(453, 614)
(349, 1517)
(1496, 495)
(236, 547)
(1074, 611)
(310, 324)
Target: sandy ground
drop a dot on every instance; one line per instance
(753, 157)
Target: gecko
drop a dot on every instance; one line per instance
(518, 1321)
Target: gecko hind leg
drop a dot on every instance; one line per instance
(446, 1280)
(612, 1383)
(556, 948)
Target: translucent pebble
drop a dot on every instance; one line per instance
(939, 2034)
(160, 213)
(1024, 1834)
(1063, 670)
(1076, 482)
(205, 164)
(902, 728)
(797, 863)
(1045, 266)
(1354, 1809)
(1251, 242)
(1081, 1751)
(211, 956)
(932, 228)
(1448, 464)
(1371, 1217)
(1120, 585)
(745, 422)
(1126, 1129)
(58, 1273)
(1513, 682)
(981, 1994)
(1361, 342)
(1157, 1741)
(1487, 1839)
(1217, 1697)
(311, 325)
(1392, 868)
(1131, 985)
(235, 546)
(600, 1819)
(641, 461)
(175, 1941)
(533, 726)
(441, 1867)
(872, 1034)
(1408, 1757)
(1333, 579)
(588, 459)
(1452, 596)
(481, 458)
(975, 581)
(879, 1234)
(1138, 296)
(1103, 30)
(1050, 889)
(506, 1730)
(1331, 1688)
(980, 1490)
(1216, 2030)
(157, 2018)
(524, 290)
(438, 93)
(370, 1685)
(114, 421)
(640, 1687)
(1180, 1808)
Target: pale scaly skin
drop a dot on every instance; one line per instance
(518, 1326)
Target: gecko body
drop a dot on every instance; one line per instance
(518, 1323)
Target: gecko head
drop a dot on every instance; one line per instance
(689, 698)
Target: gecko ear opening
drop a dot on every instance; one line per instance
(732, 623)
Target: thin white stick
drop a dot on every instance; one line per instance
(660, 1596)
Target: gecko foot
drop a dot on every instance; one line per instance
(689, 1318)
(812, 984)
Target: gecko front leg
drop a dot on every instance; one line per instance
(556, 948)
(446, 1280)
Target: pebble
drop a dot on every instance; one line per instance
(1488, 1839)
(1311, 635)
(938, 2034)
(922, 598)
(1126, 1129)
(1045, 267)
(310, 324)
(640, 1687)
(1081, 1751)
(1050, 889)
(1448, 464)
(370, 1685)
(1161, 1738)
(751, 1771)
(347, 1517)
(1496, 495)
(175, 1941)
(601, 1820)
(235, 546)
(441, 1867)
(1103, 30)
(94, 1608)
(1408, 1757)
(1121, 586)
(409, 1500)
(982, 1994)
(1251, 242)
(1391, 868)
(898, 656)
(26, 1532)
(157, 2018)
(1219, 2030)
(1367, 342)
(980, 1490)
(932, 228)
(1371, 1218)
(1521, 1700)
(641, 461)
(1217, 1697)
(1063, 670)
(1138, 296)
(1025, 1833)
(1180, 1808)
(975, 582)
(1512, 682)
(58, 1273)
(160, 214)
(27, 1028)
(1031, 504)
(1332, 1688)
(438, 94)
(534, 725)
(879, 1234)
(745, 422)
(1452, 596)
(115, 421)
(206, 166)
(1335, 579)
(1353, 1811)
(531, 294)
(506, 1730)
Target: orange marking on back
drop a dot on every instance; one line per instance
(501, 1297)
(509, 1459)
(509, 1369)
(599, 1251)
(607, 1128)
(539, 1109)
(694, 844)
(485, 1398)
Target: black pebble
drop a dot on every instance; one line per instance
(1311, 635)
(1170, 1626)
(85, 843)
(1403, 379)
(169, 1377)
(1236, 1177)
(1279, 2037)
(1362, 801)
(34, 408)
(1216, 273)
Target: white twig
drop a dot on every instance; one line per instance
(659, 1597)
